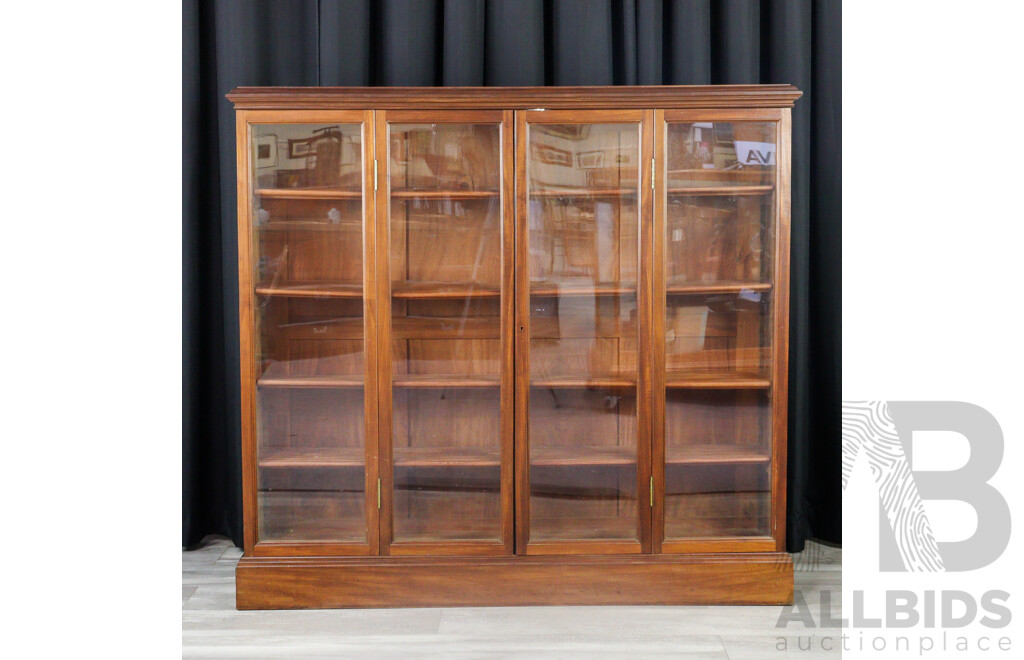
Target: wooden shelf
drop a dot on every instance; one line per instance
(405, 193)
(723, 191)
(435, 290)
(702, 454)
(312, 290)
(308, 193)
(446, 457)
(310, 382)
(422, 381)
(405, 381)
(585, 192)
(353, 225)
(715, 454)
(726, 189)
(301, 457)
(585, 382)
(718, 381)
(405, 291)
(581, 456)
(548, 290)
(734, 175)
(699, 288)
(339, 457)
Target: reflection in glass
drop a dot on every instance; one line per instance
(303, 156)
(720, 154)
(311, 465)
(311, 443)
(719, 240)
(307, 207)
(445, 256)
(717, 457)
(583, 188)
(717, 335)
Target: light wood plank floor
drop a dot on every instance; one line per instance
(212, 628)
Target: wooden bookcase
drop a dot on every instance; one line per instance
(513, 345)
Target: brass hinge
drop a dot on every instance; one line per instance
(652, 492)
(378, 493)
(375, 176)
(652, 174)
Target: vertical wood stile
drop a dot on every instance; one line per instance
(246, 335)
(780, 334)
(522, 339)
(508, 334)
(371, 348)
(657, 334)
(384, 369)
(646, 308)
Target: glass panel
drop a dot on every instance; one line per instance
(718, 239)
(445, 234)
(717, 453)
(704, 154)
(720, 224)
(583, 185)
(308, 156)
(308, 207)
(307, 217)
(717, 337)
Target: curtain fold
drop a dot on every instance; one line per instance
(505, 42)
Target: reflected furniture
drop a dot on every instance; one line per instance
(513, 345)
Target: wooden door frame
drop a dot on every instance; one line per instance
(382, 119)
(645, 119)
(249, 338)
(779, 327)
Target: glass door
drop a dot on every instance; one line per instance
(582, 442)
(315, 392)
(446, 407)
(718, 215)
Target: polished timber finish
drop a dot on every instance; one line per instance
(735, 579)
(212, 627)
(513, 345)
(516, 98)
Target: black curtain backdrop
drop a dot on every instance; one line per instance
(505, 42)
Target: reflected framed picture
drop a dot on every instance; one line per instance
(266, 151)
(587, 160)
(299, 148)
(545, 153)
